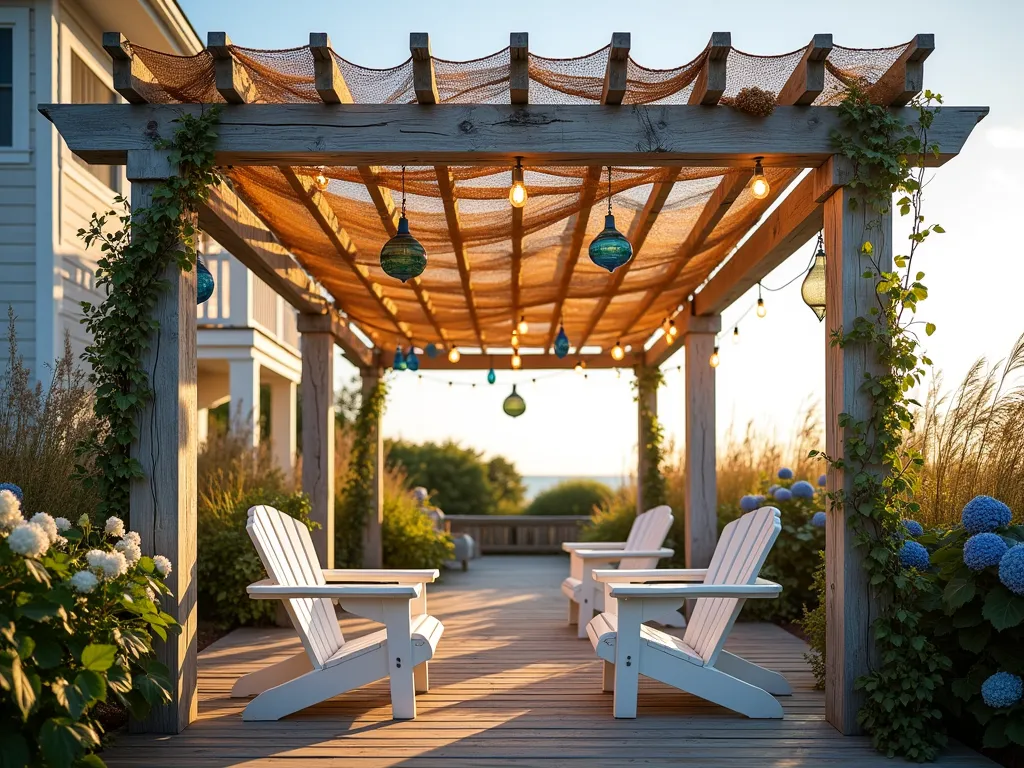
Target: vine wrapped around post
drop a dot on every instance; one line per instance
(650, 444)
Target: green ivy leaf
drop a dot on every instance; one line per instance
(98, 658)
(61, 740)
(1003, 608)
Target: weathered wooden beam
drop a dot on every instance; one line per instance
(807, 81)
(489, 134)
(517, 263)
(323, 214)
(327, 77)
(317, 392)
(232, 80)
(905, 78)
(424, 81)
(615, 72)
(446, 186)
(532, 360)
(126, 68)
(786, 229)
(710, 83)
(519, 67)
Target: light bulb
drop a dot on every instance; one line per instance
(736, 335)
(517, 193)
(523, 326)
(515, 339)
(715, 359)
(320, 179)
(672, 330)
(759, 186)
(454, 355)
(618, 352)
(517, 361)
(762, 310)
(580, 365)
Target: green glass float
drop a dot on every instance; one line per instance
(403, 257)
(204, 281)
(491, 378)
(514, 404)
(411, 361)
(431, 350)
(610, 249)
(399, 362)
(561, 343)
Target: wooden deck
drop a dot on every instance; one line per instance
(510, 685)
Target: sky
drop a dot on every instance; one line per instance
(587, 426)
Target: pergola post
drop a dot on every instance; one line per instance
(701, 495)
(163, 500)
(317, 388)
(373, 553)
(646, 409)
(848, 295)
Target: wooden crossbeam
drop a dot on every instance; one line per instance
(638, 231)
(710, 83)
(321, 211)
(232, 80)
(807, 81)
(446, 186)
(519, 67)
(905, 78)
(530, 362)
(127, 68)
(615, 73)
(686, 323)
(424, 81)
(327, 77)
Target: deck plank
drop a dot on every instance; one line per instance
(510, 686)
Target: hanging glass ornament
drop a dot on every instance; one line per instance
(561, 343)
(402, 257)
(514, 404)
(431, 350)
(411, 361)
(204, 281)
(399, 362)
(813, 288)
(610, 249)
(491, 378)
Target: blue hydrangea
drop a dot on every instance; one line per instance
(772, 488)
(785, 473)
(818, 519)
(1011, 569)
(914, 555)
(1002, 690)
(802, 489)
(822, 479)
(13, 489)
(760, 498)
(983, 550)
(983, 513)
(782, 494)
(913, 527)
(749, 503)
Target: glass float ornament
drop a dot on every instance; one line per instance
(491, 378)
(561, 343)
(514, 404)
(610, 249)
(204, 281)
(813, 288)
(411, 361)
(431, 350)
(399, 362)
(403, 257)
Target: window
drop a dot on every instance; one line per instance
(88, 88)
(6, 86)
(14, 106)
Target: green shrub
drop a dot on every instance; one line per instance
(813, 625)
(409, 538)
(614, 521)
(571, 497)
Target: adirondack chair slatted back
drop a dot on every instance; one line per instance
(284, 546)
(648, 532)
(738, 558)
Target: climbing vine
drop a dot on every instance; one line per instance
(356, 498)
(652, 485)
(880, 467)
(137, 246)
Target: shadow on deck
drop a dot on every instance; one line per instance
(510, 685)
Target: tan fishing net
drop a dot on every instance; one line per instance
(655, 283)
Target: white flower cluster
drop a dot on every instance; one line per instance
(131, 551)
(62, 523)
(84, 582)
(163, 565)
(10, 511)
(29, 539)
(114, 527)
(48, 524)
(109, 564)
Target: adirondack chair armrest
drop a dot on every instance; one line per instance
(366, 575)
(647, 575)
(572, 546)
(268, 589)
(762, 588)
(618, 554)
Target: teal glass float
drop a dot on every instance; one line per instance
(204, 281)
(402, 257)
(491, 378)
(431, 350)
(610, 249)
(561, 343)
(399, 362)
(411, 361)
(514, 404)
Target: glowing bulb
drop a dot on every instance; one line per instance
(736, 335)
(618, 352)
(715, 359)
(579, 367)
(672, 330)
(517, 193)
(523, 326)
(759, 186)
(320, 179)
(517, 361)
(762, 310)
(454, 355)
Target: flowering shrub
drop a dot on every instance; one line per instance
(78, 610)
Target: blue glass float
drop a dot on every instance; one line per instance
(561, 343)
(610, 249)
(431, 350)
(514, 404)
(204, 281)
(402, 257)
(411, 361)
(399, 362)
(491, 378)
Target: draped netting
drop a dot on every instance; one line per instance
(603, 308)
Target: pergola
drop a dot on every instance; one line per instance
(682, 157)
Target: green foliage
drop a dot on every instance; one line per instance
(813, 625)
(900, 710)
(653, 487)
(137, 248)
(409, 538)
(613, 521)
(506, 486)
(64, 651)
(571, 497)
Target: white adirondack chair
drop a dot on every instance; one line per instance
(697, 663)
(329, 665)
(640, 551)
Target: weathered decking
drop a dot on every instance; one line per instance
(510, 685)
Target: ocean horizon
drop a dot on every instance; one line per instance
(535, 484)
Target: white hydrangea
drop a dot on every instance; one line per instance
(84, 582)
(62, 523)
(61, 542)
(47, 523)
(129, 549)
(110, 564)
(29, 539)
(163, 565)
(134, 538)
(95, 558)
(10, 511)
(114, 527)
(83, 520)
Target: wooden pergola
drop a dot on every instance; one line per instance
(682, 161)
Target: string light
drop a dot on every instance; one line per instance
(523, 326)
(517, 361)
(762, 310)
(454, 355)
(736, 335)
(517, 193)
(618, 352)
(320, 179)
(759, 186)
(714, 360)
(672, 330)
(580, 366)
(515, 339)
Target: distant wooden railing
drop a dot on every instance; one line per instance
(518, 534)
